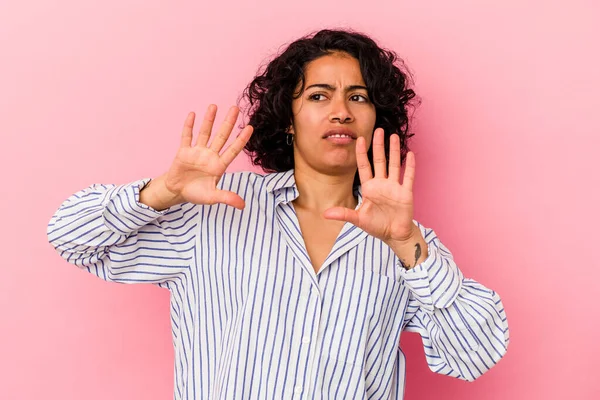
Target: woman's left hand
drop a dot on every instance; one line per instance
(386, 211)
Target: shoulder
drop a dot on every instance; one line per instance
(230, 180)
(246, 183)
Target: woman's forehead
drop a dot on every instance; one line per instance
(331, 69)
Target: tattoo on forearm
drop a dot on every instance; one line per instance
(417, 253)
(407, 265)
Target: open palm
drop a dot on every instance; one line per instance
(386, 211)
(197, 169)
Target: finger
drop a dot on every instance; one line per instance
(225, 130)
(342, 214)
(229, 198)
(395, 165)
(379, 154)
(409, 171)
(206, 126)
(362, 160)
(186, 133)
(232, 151)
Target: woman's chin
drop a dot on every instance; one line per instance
(339, 168)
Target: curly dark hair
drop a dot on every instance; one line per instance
(269, 95)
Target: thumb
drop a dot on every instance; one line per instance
(229, 198)
(341, 214)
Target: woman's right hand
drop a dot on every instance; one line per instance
(197, 169)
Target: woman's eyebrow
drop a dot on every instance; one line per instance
(332, 88)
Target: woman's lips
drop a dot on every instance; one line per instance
(339, 139)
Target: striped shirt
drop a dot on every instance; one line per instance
(250, 317)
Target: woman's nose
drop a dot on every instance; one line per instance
(340, 111)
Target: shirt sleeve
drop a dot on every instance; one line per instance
(105, 230)
(462, 323)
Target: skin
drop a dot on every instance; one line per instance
(325, 171)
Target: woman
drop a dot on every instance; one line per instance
(296, 283)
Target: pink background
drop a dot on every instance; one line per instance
(507, 171)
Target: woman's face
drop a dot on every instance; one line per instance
(334, 100)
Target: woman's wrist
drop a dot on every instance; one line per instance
(156, 195)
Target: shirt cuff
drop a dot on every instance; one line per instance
(435, 282)
(124, 213)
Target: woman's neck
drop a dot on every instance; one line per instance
(318, 192)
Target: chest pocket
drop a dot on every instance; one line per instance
(362, 315)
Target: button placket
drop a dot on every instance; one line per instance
(312, 301)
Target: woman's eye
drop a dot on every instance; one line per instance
(355, 97)
(359, 96)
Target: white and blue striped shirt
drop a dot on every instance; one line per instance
(252, 320)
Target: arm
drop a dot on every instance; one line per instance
(106, 230)
(114, 231)
(461, 322)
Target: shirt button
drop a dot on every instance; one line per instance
(298, 389)
(305, 339)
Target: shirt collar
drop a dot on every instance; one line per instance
(281, 180)
(283, 186)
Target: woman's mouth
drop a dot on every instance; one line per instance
(340, 135)
(339, 139)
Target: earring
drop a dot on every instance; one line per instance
(289, 139)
